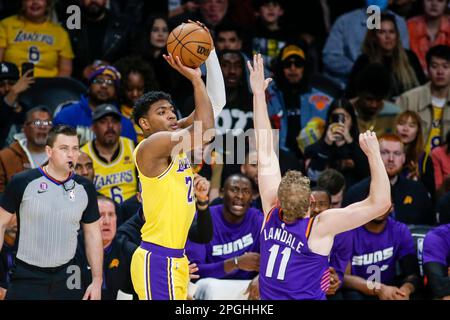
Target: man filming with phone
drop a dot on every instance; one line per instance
(338, 147)
(11, 86)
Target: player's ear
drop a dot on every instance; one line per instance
(48, 151)
(144, 123)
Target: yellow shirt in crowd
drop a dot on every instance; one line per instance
(41, 44)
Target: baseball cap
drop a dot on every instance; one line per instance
(104, 110)
(8, 71)
(107, 71)
(292, 50)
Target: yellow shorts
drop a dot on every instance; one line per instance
(159, 273)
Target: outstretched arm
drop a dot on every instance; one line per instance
(334, 221)
(269, 175)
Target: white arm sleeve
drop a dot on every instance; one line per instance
(215, 86)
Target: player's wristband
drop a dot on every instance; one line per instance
(236, 262)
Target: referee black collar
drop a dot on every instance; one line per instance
(58, 183)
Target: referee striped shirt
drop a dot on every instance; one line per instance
(49, 213)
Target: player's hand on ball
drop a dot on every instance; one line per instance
(190, 73)
(369, 143)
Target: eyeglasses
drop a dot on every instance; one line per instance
(101, 81)
(41, 123)
(296, 63)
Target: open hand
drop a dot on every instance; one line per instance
(257, 81)
(191, 74)
(369, 143)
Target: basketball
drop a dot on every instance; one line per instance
(191, 43)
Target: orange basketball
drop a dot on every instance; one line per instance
(191, 43)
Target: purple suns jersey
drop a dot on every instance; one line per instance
(229, 241)
(436, 246)
(288, 268)
(341, 253)
(382, 250)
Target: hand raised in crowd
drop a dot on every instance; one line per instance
(338, 133)
(249, 261)
(192, 270)
(190, 73)
(23, 83)
(258, 82)
(253, 289)
(334, 282)
(201, 188)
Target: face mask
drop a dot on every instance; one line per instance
(380, 3)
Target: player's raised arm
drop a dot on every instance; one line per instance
(334, 221)
(269, 175)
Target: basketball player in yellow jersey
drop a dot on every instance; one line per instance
(159, 268)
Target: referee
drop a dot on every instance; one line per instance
(50, 202)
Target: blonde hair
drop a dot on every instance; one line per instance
(297, 181)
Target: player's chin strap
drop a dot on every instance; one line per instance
(215, 85)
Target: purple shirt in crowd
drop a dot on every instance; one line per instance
(381, 249)
(229, 241)
(436, 246)
(341, 253)
(288, 268)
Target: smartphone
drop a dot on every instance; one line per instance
(28, 66)
(338, 118)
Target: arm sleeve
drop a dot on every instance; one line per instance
(437, 278)
(215, 85)
(410, 269)
(201, 230)
(91, 213)
(12, 196)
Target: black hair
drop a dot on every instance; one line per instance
(259, 3)
(143, 104)
(320, 189)
(239, 176)
(375, 80)
(347, 106)
(439, 51)
(144, 47)
(135, 64)
(60, 129)
(29, 113)
(228, 26)
(331, 180)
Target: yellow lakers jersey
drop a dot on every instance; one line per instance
(116, 180)
(168, 203)
(41, 44)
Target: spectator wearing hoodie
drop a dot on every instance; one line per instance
(104, 85)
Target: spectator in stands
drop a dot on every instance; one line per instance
(294, 105)
(418, 165)
(372, 110)
(112, 155)
(270, 34)
(182, 7)
(345, 39)
(338, 148)
(85, 167)
(8, 255)
(378, 247)
(101, 36)
(429, 29)
(228, 37)
(11, 86)
(383, 46)
(104, 85)
(341, 251)
(117, 253)
(231, 259)
(411, 199)
(431, 100)
(138, 77)
(441, 162)
(405, 9)
(334, 182)
(210, 12)
(30, 36)
(436, 262)
(28, 149)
